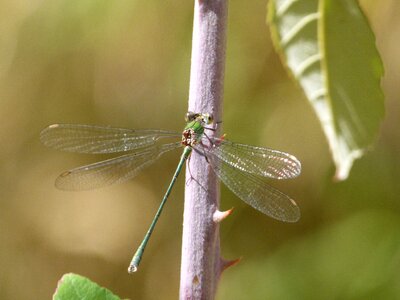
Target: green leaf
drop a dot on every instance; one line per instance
(330, 50)
(76, 287)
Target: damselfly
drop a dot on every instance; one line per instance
(240, 167)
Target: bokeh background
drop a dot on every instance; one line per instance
(126, 64)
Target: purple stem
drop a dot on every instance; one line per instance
(201, 263)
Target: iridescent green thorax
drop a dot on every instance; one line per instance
(192, 133)
(194, 129)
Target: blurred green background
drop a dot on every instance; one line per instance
(126, 63)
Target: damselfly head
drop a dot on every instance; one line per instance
(204, 118)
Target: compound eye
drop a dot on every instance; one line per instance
(207, 118)
(190, 116)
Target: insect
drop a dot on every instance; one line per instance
(240, 167)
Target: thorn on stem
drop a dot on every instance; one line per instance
(221, 215)
(225, 264)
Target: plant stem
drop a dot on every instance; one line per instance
(201, 263)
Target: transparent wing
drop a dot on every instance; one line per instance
(99, 139)
(256, 160)
(115, 170)
(252, 189)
